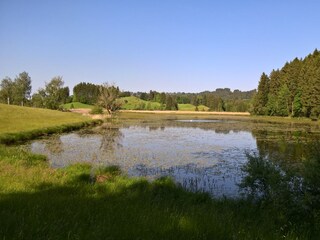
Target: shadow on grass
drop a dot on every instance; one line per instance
(122, 208)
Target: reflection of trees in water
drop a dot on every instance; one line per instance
(223, 131)
(155, 128)
(54, 145)
(223, 127)
(111, 138)
(287, 146)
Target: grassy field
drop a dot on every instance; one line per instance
(22, 123)
(190, 107)
(77, 105)
(134, 103)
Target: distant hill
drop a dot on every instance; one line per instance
(134, 103)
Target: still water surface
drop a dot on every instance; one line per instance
(199, 154)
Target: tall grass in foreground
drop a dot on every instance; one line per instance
(37, 202)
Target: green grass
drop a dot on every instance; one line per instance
(190, 107)
(186, 107)
(77, 105)
(23, 123)
(134, 103)
(37, 202)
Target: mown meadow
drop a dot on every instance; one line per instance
(86, 202)
(23, 123)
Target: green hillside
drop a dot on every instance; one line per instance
(190, 107)
(76, 105)
(15, 118)
(134, 103)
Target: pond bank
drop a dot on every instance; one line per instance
(13, 138)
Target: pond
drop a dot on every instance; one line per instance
(201, 154)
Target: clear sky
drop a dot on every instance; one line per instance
(163, 45)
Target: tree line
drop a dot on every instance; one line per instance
(293, 90)
(54, 94)
(222, 99)
(18, 92)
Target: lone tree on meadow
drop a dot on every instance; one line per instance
(108, 94)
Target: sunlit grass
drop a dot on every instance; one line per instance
(76, 105)
(21, 123)
(15, 118)
(134, 103)
(190, 107)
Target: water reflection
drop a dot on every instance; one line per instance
(200, 156)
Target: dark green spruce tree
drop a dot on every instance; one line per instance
(261, 98)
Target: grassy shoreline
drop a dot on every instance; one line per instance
(18, 124)
(15, 138)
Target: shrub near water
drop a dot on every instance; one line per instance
(96, 110)
(291, 194)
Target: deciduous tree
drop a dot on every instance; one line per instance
(108, 94)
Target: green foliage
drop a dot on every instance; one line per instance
(171, 103)
(218, 100)
(283, 101)
(108, 95)
(263, 179)
(293, 90)
(297, 105)
(86, 93)
(293, 195)
(272, 105)
(52, 96)
(261, 98)
(22, 88)
(6, 92)
(96, 110)
(16, 92)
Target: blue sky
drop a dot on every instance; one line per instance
(163, 45)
